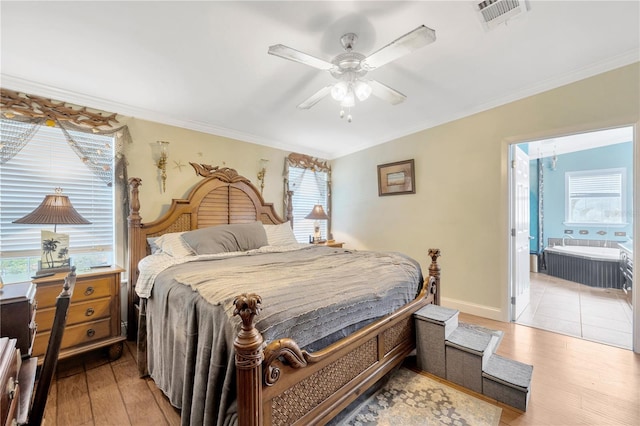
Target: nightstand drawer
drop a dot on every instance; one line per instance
(86, 289)
(78, 312)
(75, 335)
(17, 311)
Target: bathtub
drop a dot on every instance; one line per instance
(593, 266)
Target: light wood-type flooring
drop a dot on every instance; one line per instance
(575, 382)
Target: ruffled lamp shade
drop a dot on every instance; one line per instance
(55, 209)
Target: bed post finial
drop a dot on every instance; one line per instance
(134, 209)
(249, 347)
(434, 271)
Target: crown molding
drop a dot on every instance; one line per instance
(30, 87)
(624, 59)
(57, 94)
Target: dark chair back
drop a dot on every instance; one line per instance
(48, 368)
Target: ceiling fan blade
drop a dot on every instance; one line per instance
(409, 42)
(386, 93)
(316, 97)
(297, 56)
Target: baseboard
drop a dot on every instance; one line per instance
(474, 309)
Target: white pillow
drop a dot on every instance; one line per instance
(280, 235)
(173, 245)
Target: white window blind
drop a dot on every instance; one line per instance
(595, 196)
(46, 162)
(309, 188)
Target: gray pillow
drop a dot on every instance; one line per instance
(226, 238)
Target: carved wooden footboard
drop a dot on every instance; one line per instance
(281, 385)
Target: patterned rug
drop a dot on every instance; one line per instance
(410, 398)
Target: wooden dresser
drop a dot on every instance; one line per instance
(94, 314)
(17, 378)
(17, 315)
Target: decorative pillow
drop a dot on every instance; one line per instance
(226, 238)
(153, 246)
(173, 244)
(280, 235)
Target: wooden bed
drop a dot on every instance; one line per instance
(277, 382)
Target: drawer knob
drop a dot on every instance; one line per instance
(91, 332)
(89, 312)
(11, 388)
(89, 291)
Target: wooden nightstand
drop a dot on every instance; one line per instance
(17, 315)
(94, 314)
(331, 243)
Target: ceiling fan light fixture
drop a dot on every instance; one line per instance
(363, 90)
(339, 90)
(349, 100)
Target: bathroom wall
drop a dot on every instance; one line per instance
(613, 156)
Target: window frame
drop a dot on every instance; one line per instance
(621, 171)
(304, 228)
(84, 199)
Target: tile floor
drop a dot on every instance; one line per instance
(596, 314)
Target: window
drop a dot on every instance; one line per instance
(309, 188)
(595, 197)
(47, 161)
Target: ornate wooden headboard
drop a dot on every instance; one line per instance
(223, 197)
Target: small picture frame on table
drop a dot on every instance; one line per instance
(396, 178)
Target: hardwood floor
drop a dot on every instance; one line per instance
(575, 382)
(90, 390)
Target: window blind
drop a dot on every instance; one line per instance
(309, 188)
(595, 196)
(44, 163)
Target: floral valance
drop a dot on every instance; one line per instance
(307, 162)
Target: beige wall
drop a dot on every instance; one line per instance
(191, 146)
(461, 204)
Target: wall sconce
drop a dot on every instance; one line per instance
(262, 172)
(163, 147)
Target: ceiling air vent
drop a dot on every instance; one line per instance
(494, 12)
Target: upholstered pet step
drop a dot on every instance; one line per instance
(434, 324)
(507, 381)
(467, 350)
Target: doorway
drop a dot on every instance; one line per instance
(577, 218)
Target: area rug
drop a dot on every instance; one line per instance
(410, 398)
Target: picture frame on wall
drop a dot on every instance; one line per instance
(396, 178)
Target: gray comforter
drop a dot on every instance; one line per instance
(314, 296)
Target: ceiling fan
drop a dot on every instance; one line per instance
(350, 69)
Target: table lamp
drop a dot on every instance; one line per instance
(55, 209)
(317, 214)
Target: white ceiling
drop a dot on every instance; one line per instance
(204, 65)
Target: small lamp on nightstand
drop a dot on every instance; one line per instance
(55, 209)
(317, 214)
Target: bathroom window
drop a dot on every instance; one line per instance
(595, 197)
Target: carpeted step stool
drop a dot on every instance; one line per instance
(434, 324)
(468, 349)
(507, 381)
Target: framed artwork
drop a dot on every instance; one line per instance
(396, 178)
